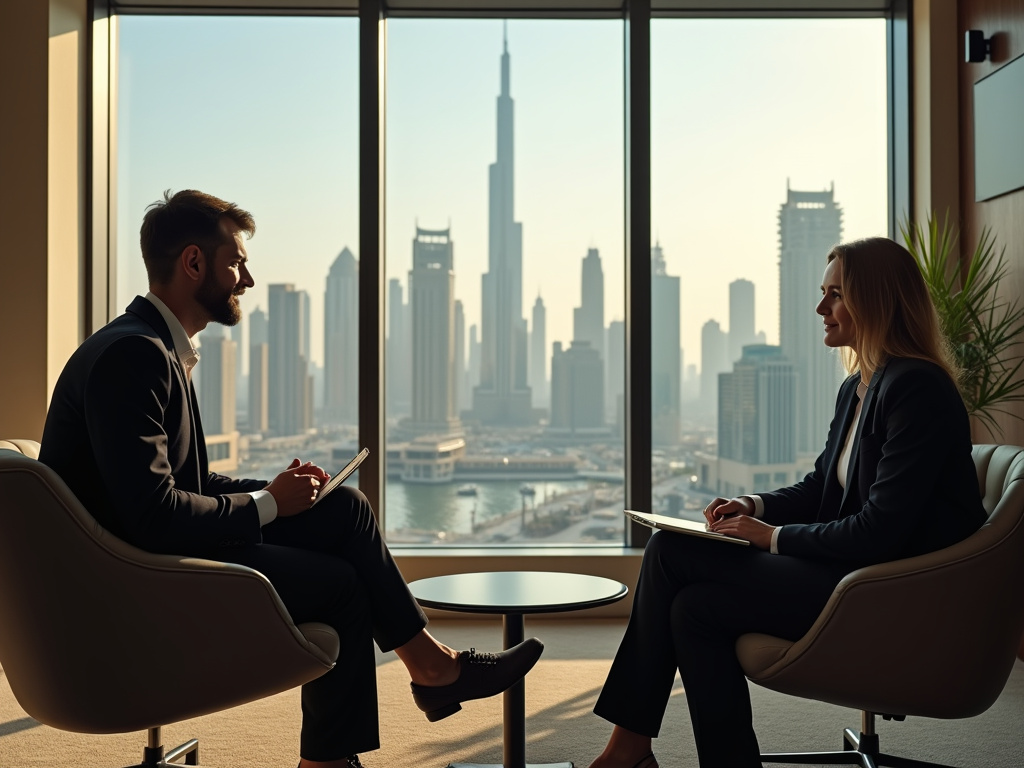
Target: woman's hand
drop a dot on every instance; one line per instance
(720, 508)
(743, 526)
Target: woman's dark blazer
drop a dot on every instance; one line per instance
(911, 485)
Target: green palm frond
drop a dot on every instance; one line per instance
(983, 328)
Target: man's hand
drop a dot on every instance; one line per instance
(295, 489)
(743, 526)
(720, 508)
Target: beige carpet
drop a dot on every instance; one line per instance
(560, 694)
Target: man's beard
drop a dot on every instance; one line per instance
(221, 303)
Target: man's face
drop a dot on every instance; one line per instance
(227, 276)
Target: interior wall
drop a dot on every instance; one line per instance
(42, 203)
(23, 149)
(934, 95)
(1003, 21)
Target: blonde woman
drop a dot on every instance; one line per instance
(895, 480)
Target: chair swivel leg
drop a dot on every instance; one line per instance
(858, 749)
(153, 755)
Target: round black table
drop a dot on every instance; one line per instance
(513, 594)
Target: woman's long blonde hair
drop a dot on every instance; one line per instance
(891, 309)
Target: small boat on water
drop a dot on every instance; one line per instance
(527, 490)
(466, 490)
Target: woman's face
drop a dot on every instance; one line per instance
(839, 327)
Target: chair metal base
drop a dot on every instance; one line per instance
(858, 749)
(154, 756)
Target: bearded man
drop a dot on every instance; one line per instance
(124, 432)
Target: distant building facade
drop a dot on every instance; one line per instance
(290, 385)
(714, 359)
(219, 355)
(341, 341)
(538, 355)
(741, 318)
(810, 223)
(577, 391)
(666, 363)
(259, 372)
(588, 317)
(462, 397)
(398, 357)
(757, 408)
(432, 303)
(615, 385)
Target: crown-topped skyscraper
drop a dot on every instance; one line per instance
(503, 396)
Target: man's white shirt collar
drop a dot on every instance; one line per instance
(182, 343)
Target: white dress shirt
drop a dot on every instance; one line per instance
(842, 466)
(266, 504)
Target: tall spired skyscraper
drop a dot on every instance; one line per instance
(503, 395)
(810, 223)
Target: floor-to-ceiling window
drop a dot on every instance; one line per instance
(262, 112)
(768, 147)
(505, 338)
(505, 297)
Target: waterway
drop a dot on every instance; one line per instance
(418, 507)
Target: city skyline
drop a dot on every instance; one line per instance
(717, 224)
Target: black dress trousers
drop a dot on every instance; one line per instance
(694, 598)
(330, 564)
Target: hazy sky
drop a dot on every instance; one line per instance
(263, 112)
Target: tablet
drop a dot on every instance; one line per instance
(342, 476)
(674, 524)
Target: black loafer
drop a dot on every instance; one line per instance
(480, 675)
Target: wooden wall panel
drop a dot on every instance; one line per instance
(1003, 20)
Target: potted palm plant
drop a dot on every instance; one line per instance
(982, 326)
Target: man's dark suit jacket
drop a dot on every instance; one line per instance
(123, 431)
(911, 485)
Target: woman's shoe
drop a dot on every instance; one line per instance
(647, 761)
(480, 675)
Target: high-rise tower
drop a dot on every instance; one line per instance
(666, 365)
(432, 302)
(341, 341)
(503, 395)
(714, 359)
(757, 408)
(741, 318)
(461, 393)
(217, 380)
(538, 358)
(588, 317)
(397, 373)
(259, 371)
(290, 387)
(810, 223)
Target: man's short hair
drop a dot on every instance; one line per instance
(188, 217)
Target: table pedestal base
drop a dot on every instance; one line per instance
(498, 765)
